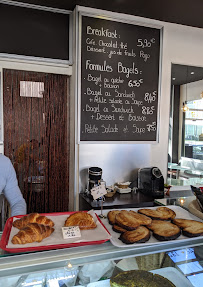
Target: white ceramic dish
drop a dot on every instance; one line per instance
(172, 274)
(124, 190)
(102, 283)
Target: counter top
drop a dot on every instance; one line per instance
(194, 172)
(119, 200)
(179, 201)
(185, 182)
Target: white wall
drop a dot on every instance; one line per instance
(191, 91)
(181, 45)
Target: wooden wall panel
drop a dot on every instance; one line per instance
(36, 134)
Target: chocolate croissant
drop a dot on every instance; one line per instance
(32, 218)
(33, 232)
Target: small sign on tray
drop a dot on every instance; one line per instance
(71, 232)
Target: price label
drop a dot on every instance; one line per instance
(71, 232)
(98, 191)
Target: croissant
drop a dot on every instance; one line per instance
(31, 233)
(82, 219)
(31, 218)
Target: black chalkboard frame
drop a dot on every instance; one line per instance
(110, 16)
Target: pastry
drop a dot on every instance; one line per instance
(112, 216)
(139, 235)
(33, 232)
(130, 220)
(139, 278)
(164, 230)
(190, 228)
(32, 218)
(162, 213)
(82, 219)
(118, 229)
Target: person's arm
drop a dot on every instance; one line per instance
(13, 193)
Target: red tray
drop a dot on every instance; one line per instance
(7, 230)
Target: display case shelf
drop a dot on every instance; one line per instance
(14, 264)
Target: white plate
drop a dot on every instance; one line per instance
(180, 213)
(172, 274)
(124, 190)
(102, 283)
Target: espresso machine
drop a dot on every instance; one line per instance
(151, 182)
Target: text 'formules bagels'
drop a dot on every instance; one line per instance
(108, 68)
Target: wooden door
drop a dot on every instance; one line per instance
(36, 136)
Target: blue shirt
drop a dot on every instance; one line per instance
(9, 187)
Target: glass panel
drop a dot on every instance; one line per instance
(185, 145)
(194, 128)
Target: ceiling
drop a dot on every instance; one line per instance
(181, 74)
(185, 12)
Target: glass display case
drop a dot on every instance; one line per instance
(95, 265)
(180, 261)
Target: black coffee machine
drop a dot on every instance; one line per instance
(94, 178)
(151, 182)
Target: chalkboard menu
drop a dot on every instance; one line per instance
(119, 81)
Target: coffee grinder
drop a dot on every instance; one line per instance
(94, 178)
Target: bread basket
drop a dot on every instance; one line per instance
(110, 192)
(123, 184)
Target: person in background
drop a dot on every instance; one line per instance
(9, 187)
